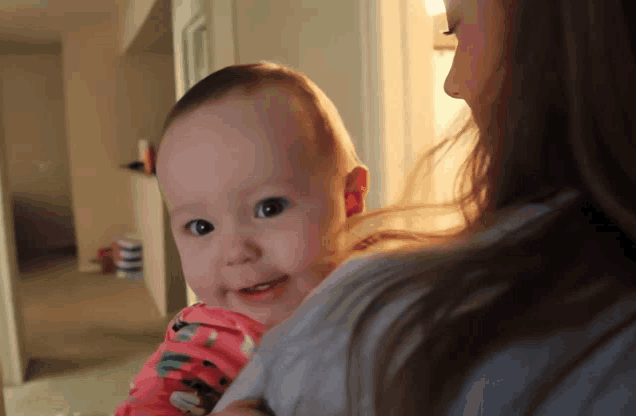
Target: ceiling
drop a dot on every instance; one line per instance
(44, 21)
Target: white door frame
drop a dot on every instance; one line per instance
(223, 35)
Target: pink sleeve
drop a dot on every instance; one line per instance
(209, 345)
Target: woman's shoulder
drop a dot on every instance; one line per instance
(301, 363)
(600, 384)
(351, 288)
(316, 338)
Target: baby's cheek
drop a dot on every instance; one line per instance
(297, 246)
(291, 250)
(201, 279)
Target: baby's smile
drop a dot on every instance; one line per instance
(271, 290)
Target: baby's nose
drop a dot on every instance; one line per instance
(238, 251)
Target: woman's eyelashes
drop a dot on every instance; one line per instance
(267, 208)
(271, 207)
(452, 28)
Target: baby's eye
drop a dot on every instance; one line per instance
(199, 227)
(271, 207)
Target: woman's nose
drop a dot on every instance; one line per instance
(451, 87)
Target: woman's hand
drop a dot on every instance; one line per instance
(244, 408)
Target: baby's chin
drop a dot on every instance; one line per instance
(271, 313)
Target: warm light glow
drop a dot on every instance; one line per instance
(446, 109)
(434, 7)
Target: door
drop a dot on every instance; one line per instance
(204, 41)
(13, 359)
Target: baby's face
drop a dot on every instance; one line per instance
(249, 214)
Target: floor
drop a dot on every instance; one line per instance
(86, 334)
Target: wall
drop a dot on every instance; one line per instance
(162, 267)
(367, 55)
(112, 101)
(37, 154)
(145, 94)
(163, 274)
(399, 120)
(135, 15)
(319, 38)
(13, 357)
(101, 190)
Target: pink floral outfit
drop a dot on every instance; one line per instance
(203, 351)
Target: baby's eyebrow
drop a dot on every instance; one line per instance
(203, 206)
(287, 183)
(193, 206)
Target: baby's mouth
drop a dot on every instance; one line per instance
(266, 288)
(261, 287)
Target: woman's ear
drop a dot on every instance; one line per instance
(356, 189)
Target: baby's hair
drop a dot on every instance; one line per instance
(332, 143)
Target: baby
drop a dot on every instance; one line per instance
(259, 174)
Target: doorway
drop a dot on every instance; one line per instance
(37, 161)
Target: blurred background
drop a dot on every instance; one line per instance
(82, 82)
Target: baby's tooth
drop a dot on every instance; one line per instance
(262, 287)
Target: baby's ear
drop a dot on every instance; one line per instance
(356, 189)
(358, 180)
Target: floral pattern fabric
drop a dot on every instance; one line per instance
(203, 351)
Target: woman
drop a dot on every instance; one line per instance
(534, 315)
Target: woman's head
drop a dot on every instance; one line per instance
(479, 64)
(258, 173)
(562, 116)
(550, 87)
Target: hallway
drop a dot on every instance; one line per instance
(87, 335)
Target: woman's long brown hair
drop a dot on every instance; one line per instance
(569, 122)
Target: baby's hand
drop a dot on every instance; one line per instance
(188, 402)
(199, 401)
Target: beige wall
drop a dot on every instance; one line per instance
(403, 78)
(371, 57)
(149, 212)
(112, 101)
(135, 15)
(145, 94)
(72, 98)
(101, 191)
(13, 357)
(37, 155)
(162, 267)
(319, 38)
